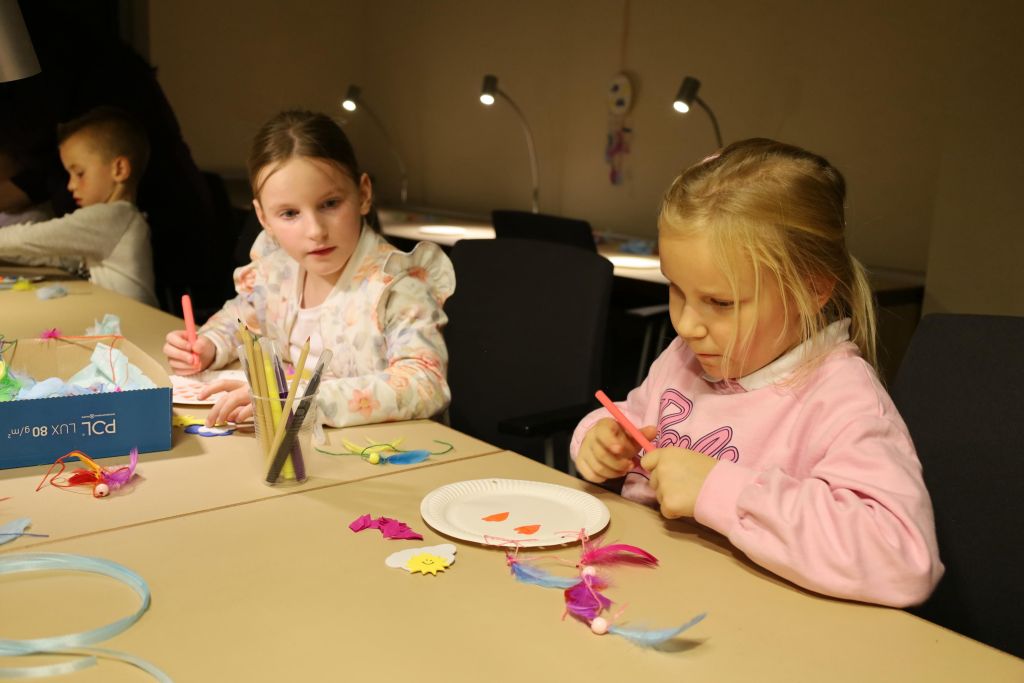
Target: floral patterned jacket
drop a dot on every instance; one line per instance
(390, 361)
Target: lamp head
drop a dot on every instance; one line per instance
(686, 95)
(17, 56)
(489, 90)
(351, 101)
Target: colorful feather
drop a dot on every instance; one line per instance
(539, 577)
(79, 477)
(653, 638)
(100, 478)
(11, 530)
(123, 475)
(617, 553)
(584, 600)
(407, 457)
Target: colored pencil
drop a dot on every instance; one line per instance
(296, 421)
(275, 448)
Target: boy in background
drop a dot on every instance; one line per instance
(105, 154)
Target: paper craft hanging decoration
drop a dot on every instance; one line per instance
(583, 595)
(388, 452)
(424, 560)
(617, 143)
(102, 480)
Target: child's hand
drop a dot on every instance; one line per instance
(234, 406)
(607, 451)
(677, 475)
(179, 352)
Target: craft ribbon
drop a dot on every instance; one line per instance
(71, 644)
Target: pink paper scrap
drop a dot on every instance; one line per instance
(389, 528)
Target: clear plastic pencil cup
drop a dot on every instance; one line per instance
(285, 436)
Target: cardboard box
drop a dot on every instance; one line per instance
(38, 431)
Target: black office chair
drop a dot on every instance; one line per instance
(538, 226)
(578, 233)
(525, 340)
(960, 389)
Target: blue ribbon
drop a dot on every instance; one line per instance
(71, 644)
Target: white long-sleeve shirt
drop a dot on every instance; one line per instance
(112, 239)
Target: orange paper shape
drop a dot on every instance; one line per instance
(528, 529)
(496, 517)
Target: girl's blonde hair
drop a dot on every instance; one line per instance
(298, 133)
(781, 207)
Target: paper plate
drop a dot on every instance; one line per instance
(186, 389)
(497, 511)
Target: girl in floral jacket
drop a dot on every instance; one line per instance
(319, 271)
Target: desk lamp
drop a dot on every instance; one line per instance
(17, 57)
(352, 102)
(487, 96)
(687, 95)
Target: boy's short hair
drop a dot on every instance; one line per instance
(116, 132)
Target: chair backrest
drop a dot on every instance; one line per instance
(960, 389)
(525, 334)
(538, 226)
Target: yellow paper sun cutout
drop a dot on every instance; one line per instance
(426, 563)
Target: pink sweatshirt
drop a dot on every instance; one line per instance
(818, 481)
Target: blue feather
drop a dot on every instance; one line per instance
(11, 530)
(408, 457)
(654, 638)
(539, 577)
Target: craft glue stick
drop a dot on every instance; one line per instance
(624, 421)
(190, 327)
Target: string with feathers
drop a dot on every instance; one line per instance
(583, 593)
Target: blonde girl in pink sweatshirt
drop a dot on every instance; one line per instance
(769, 422)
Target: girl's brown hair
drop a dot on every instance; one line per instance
(781, 207)
(297, 133)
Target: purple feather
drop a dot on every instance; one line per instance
(123, 475)
(584, 600)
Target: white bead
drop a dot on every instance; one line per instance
(101, 490)
(599, 626)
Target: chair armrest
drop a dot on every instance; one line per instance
(546, 423)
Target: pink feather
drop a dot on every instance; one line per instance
(617, 553)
